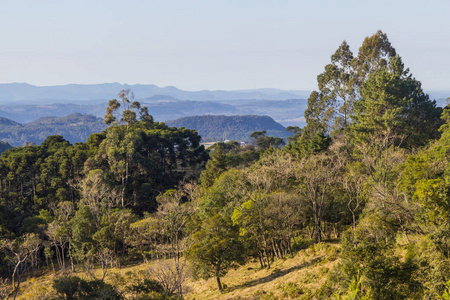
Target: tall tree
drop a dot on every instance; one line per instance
(215, 166)
(331, 108)
(126, 109)
(374, 53)
(392, 102)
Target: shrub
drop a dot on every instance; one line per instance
(73, 287)
(290, 290)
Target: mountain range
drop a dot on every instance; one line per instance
(24, 103)
(11, 93)
(77, 128)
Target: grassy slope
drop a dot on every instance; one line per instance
(307, 269)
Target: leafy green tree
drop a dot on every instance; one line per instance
(149, 159)
(59, 235)
(215, 166)
(216, 248)
(120, 222)
(237, 155)
(331, 108)
(223, 195)
(264, 142)
(249, 216)
(148, 235)
(83, 228)
(296, 133)
(368, 253)
(392, 102)
(374, 53)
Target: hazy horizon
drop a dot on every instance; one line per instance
(212, 45)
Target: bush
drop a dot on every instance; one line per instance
(150, 289)
(73, 287)
(368, 254)
(147, 286)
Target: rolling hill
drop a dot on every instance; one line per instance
(74, 128)
(219, 128)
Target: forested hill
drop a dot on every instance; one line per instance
(217, 128)
(75, 128)
(8, 122)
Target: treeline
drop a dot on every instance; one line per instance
(370, 169)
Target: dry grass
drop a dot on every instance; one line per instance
(306, 272)
(308, 269)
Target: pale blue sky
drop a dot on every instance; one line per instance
(212, 44)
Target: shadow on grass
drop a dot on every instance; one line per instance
(274, 275)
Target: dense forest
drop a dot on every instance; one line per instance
(370, 171)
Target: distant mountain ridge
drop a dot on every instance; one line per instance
(8, 122)
(219, 128)
(27, 93)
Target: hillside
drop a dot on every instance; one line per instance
(74, 127)
(299, 276)
(218, 128)
(8, 122)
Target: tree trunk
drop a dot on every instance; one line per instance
(317, 233)
(354, 220)
(219, 284)
(260, 260)
(17, 288)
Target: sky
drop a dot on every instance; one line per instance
(212, 44)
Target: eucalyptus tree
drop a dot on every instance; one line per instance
(125, 110)
(331, 107)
